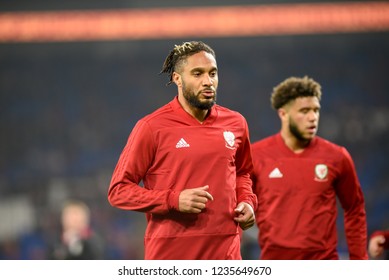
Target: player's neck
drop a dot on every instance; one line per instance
(197, 113)
(294, 144)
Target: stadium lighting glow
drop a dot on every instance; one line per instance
(225, 21)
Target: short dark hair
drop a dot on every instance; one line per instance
(180, 52)
(292, 88)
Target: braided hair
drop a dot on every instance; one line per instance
(180, 53)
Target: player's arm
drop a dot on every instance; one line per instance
(245, 213)
(351, 198)
(136, 158)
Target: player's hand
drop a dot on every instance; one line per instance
(376, 248)
(194, 200)
(244, 215)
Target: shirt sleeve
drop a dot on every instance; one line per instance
(244, 167)
(136, 158)
(351, 198)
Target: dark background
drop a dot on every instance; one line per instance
(66, 110)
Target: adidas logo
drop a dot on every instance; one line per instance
(182, 144)
(276, 173)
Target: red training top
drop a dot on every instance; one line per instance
(170, 151)
(297, 207)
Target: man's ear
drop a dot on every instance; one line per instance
(282, 113)
(177, 79)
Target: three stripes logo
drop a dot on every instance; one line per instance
(182, 144)
(276, 173)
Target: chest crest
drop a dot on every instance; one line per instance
(229, 138)
(321, 172)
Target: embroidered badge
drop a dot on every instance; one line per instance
(321, 172)
(229, 137)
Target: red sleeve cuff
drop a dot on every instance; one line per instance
(172, 200)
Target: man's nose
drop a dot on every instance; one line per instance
(207, 80)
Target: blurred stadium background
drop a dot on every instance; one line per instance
(75, 76)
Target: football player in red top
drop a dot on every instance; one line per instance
(298, 177)
(194, 159)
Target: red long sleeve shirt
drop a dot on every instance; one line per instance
(297, 208)
(171, 151)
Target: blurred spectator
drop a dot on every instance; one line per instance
(78, 241)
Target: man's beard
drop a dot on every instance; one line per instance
(296, 132)
(194, 100)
